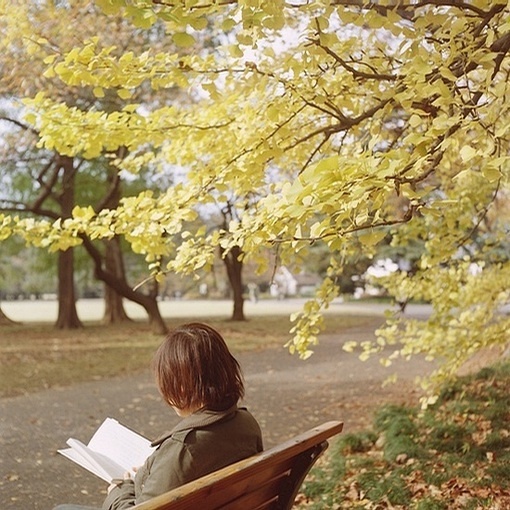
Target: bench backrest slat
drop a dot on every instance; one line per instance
(279, 478)
(268, 480)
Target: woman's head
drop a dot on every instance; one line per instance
(195, 369)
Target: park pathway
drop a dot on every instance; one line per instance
(286, 395)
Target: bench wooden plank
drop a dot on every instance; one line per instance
(268, 480)
(280, 488)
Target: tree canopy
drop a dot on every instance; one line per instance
(343, 123)
(41, 182)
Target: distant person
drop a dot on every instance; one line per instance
(200, 379)
(203, 290)
(253, 291)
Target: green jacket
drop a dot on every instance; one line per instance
(200, 444)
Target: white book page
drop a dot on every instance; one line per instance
(122, 445)
(113, 450)
(103, 466)
(76, 456)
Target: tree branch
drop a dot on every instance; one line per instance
(21, 207)
(46, 187)
(405, 10)
(21, 125)
(342, 126)
(356, 73)
(408, 216)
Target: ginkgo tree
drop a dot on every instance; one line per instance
(40, 182)
(355, 122)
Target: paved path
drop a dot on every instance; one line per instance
(285, 394)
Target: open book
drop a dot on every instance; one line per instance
(113, 450)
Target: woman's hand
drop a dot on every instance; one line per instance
(111, 487)
(128, 475)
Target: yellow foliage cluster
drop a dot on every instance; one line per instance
(324, 122)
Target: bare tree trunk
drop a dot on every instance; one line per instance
(67, 314)
(113, 259)
(121, 286)
(234, 268)
(114, 311)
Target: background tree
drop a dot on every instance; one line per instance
(51, 192)
(359, 106)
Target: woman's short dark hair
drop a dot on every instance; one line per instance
(195, 369)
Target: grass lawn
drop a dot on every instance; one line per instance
(37, 356)
(453, 455)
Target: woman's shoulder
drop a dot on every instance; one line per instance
(244, 415)
(205, 422)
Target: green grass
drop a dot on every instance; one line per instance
(38, 356)
(453, 455)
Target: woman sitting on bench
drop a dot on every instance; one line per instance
(200, 379)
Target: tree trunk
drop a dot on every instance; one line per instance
(234, 268)
(67, 314)
(155, 320)
(114, 311)
(114, 261)
(119, 284)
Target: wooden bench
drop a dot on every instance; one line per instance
(269, 480)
